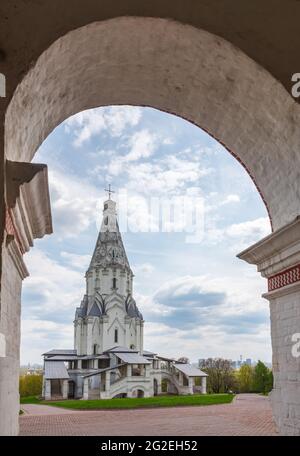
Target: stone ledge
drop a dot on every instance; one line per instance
(276, 253)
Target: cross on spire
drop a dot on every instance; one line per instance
(109, 190)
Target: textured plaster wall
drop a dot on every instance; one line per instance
(285, 317)
(10, 365)
(175, 68)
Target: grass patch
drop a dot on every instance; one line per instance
(30, 400)
(131, 403)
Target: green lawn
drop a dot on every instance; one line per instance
(30, 400)
(128, 403)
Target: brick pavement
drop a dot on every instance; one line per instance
(249, 414)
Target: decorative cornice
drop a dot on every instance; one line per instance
(11, 229)
(283, 291)
(277, 256)
(16, 256)
(27, 214)
(28, 202)
(287, 277)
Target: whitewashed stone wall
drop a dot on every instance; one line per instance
(285, 317)
(10, 364)
(278, 259)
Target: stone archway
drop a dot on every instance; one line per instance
(195, 75)
(137, 392)
(175, 68)
(168, 385)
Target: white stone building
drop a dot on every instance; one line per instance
(108, 359)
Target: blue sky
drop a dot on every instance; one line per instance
(197, 298)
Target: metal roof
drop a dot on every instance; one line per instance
(133, 358)
(55, 369)
(61, 358)
(189, 370)
(120, 349)
(99, 371)
(164, 358)
(149, 353)
(61, 352)
(75, 357)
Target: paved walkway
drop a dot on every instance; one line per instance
(249, 414)
(37, 410)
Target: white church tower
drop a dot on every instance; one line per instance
(108, 315)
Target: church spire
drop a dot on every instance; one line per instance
(109, 250)
(109, 190)
(108, 302)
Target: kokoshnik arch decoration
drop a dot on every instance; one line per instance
(195, 75)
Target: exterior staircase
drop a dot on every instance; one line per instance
(118, 387)
(94, 394)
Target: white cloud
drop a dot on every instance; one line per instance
(257, 228)
(144, 269)
(50, 296)
(231, 199)
(168, 176)
(77, 261)
(206, 342)
(168, 141)
(202, 316)
(113, 120)
(74, 204)
(51, 290)
(242, 234)
(39, 336)
(142, 145)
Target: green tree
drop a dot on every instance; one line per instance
(221, 378)
(184, 360)
(262, 378)
(30, 385)
(245, 378)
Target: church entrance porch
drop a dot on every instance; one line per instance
(56, 389)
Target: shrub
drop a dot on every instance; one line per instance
(30, 385)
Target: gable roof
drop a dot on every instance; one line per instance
(149, 353)
(133, 358)
(55, 370)
(189, 370)
(61, 352)
(95, 311)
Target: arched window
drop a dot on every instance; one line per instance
(114, 283)
(116, 336)
(95, 350)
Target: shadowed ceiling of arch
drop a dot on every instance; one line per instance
(267, 31)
